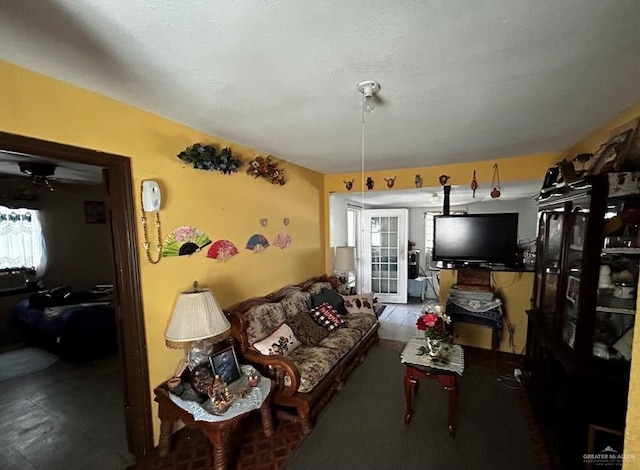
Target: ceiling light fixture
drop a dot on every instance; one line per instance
(369, 89)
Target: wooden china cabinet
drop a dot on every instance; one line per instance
(583, 312)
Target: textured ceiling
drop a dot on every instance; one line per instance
(461, 80)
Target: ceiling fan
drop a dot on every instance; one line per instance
(41, 174)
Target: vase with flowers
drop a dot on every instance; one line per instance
(433, 322)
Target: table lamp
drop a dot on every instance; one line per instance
(197, 316)
(344, 263)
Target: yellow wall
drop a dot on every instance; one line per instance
(223, 206)
(514, 289)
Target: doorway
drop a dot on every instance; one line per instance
(128, 301)
(385, 238)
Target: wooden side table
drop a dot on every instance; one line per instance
(449, 381)
(218, 432)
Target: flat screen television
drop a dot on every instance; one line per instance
(476, 239)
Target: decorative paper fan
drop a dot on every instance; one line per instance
(282, 240)
(222, 250)
(257, 243)
(185, 240)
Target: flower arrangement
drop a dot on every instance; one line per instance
(434, 324)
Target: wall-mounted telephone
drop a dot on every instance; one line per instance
(151, 196)
(150, 199)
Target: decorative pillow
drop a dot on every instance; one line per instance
(306, 329)
(327, 317)
(362, 303)
(279, 343)
(331, 297)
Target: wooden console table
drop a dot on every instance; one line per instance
(218, 432)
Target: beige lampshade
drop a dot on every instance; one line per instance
(196, 316)
(345, 259)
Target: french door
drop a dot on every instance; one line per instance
(384, 245)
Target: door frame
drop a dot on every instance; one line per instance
(129, 313)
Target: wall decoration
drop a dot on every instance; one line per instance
(370, 183)
(474, 183)
(264, 222)
(390, 181)
(95, 212)
(203, 157)
(282, 240)
(185, 240)
(266, 168)
(222, 250)
(418, 181)
(443, 179)
(348, 184)
(286, 221)
(257, 243)
(612, 153)
(495, 183)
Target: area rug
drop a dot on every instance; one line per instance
(23, 362)
(363, 426)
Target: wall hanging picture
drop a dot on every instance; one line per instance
(370, 183)
(257, 243)
(266, 168)
(418, 181)
(282, 240)
(390, 181)
(286, 221)
(222, 250)
(348, 184)
(204, 157)
(185, 240)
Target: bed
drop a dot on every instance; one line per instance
(78, 326)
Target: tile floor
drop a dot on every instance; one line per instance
(68, 416)
(398, 321)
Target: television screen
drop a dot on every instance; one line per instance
(476, 238)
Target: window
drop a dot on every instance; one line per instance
(21, 239)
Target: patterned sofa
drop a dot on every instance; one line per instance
(307, 378)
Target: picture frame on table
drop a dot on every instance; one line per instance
(225, 364)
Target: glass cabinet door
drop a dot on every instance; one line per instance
(574, 260)
(617, 281)
(548, 259)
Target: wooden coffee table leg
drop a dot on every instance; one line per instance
(409, 386)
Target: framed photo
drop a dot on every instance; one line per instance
(225, 364)
(202, 378)
(95, 212)
(573, 290)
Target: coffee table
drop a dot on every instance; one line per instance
(415, 369)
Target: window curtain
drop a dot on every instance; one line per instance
(22, 243)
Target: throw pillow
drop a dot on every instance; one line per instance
(362, 303)
(306, 329)
(327, 317)
(279, 343)
(331, 297)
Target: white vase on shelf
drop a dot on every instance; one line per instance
(433, 346)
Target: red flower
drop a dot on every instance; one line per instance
(430, 319)
(421, 324)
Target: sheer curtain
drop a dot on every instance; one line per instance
(22, 243)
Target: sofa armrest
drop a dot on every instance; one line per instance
(278, 367)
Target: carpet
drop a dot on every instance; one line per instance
(363, 427)
(23, 362)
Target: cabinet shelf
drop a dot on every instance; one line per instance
(621, 251)
(623, 311)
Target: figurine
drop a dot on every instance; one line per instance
(220, 396)
(254, 378)
(390, 181)
(370, 183)
(348, 185)
(418, 181)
